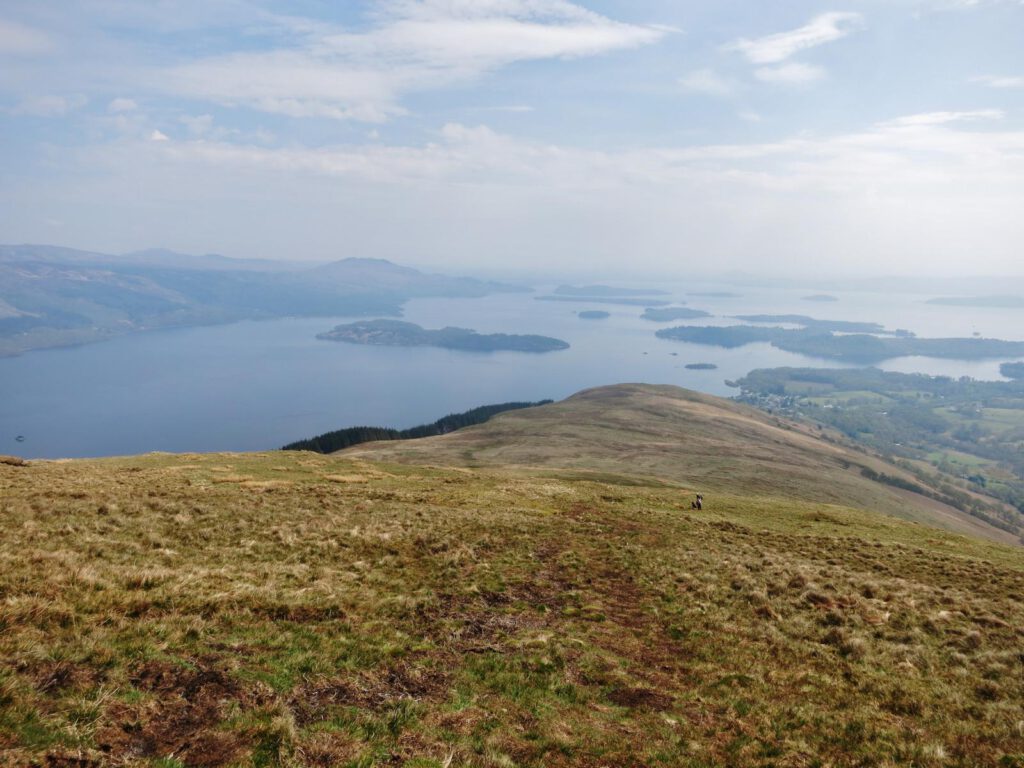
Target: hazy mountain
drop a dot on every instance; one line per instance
(54, 296)
(162, 257)
(381, 275)
(52, 254)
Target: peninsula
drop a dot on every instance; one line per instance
(1012, 370)
(860, 348)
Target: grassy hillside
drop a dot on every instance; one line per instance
(302, 610)
(546, 597)
(679, 436)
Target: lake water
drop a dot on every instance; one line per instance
(258, 385)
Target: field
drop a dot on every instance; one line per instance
(294, 609)
(964, 438)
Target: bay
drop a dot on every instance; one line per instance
(258, 385)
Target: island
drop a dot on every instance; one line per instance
(839, 326)
(669, 314)
(397, 333)
(824, 297)
(991, 302)
(605, 291)
(1012, 370)
(593, 314)
(701, 367)
(860, 348)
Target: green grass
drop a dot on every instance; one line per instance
(845, 397)
(300, 610)
(966, 460)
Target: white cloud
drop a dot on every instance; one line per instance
(708, 82)
(414, 46)
(197, 125)
(772, 49)
(20, 40)
(121, 104)
(907, 151)
(158, 136)
(48, 106)
(993, 81)
(512, 108)
(942, 118)
(793, 73)
(917, 191)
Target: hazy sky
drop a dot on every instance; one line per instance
(652, 136)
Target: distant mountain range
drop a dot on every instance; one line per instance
(53, 296)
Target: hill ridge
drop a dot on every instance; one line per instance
(686, 438)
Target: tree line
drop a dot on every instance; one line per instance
(329, 442)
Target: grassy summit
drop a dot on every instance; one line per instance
(299, 609)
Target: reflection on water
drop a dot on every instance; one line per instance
(258, 385)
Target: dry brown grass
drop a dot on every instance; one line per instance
(153, 614)
(674, 435)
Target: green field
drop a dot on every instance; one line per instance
(846, 397)
(969, 433)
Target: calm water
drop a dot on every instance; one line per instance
(258, 385)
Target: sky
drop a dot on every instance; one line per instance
(648, 137)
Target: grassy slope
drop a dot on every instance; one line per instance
(295, 609)
(680, 436)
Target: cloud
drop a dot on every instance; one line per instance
(510, 108)
(942, 118)
(48, 106)
(708, 82)
(915, 191)
(772, 49)
(411, 46)
(197, 125)
(793, 73)
(993, 81)
(905, 151)
(158, 136)
(121, 104)
(20, 40)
